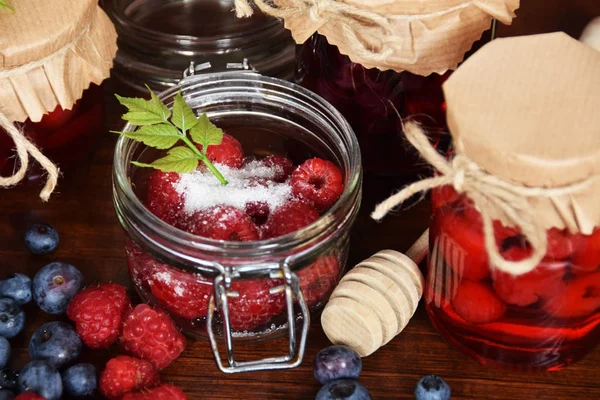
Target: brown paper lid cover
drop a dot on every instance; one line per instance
(50, 52)
(420, 36)
(525, 109)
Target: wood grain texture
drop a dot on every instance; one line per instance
(91, 239)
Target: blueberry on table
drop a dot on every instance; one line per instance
(55, 285)
(55, 342)
(8, 379)
(335, 362)
(17, 287)
(432, 387)
(6, 394)
(12, 319)
(4, 352)
(41, 239)
(80, 380)
(343, 389)
(39, 377)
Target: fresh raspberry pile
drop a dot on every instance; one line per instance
(273, 197)
(566, 285)
(103, 314)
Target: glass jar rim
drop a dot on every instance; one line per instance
(129, 27)
(344, 205)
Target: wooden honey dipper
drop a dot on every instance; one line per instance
(376, 299)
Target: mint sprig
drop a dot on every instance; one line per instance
(159, 128)
(4, 4)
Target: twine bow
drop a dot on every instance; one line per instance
(486, 191)
(24, 149)
(348, 16)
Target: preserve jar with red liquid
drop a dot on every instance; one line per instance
(252, 290)
(66, 136)
(513, 275)
(158, 40)
(544, 319)
(55, 56)
(379, 64)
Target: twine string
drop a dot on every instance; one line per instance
(487, 192)
(24, 149)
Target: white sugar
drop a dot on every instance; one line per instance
(201, 189)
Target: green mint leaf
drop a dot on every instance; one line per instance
(206, 133)
(183, 116)
(161, 136)
(179, 159)
(4, 4)
(144, 112)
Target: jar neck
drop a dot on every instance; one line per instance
(157, 39)
(224, 96)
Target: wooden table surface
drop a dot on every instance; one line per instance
(92, 240)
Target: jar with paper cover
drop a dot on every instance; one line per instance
(54, 57)
(379, 62)
(514, 266)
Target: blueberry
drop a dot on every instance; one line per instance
(335, 362)
(343, 389)
(12, 319)
(80, 380)
(4, 352)
(41, 239)
(39, 377)
(432, 387)
(8, 379)
(17, 287)
(55, 342)
(6, 394)
(55, 285)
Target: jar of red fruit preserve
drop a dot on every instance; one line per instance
(514, 265)
(250, 259)
(158, 40)
(378, 62)
(54, 57)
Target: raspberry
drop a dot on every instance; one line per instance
(29, 396)
(183, 294)
(229, 152)
(98, 312)
(162, 199)
(259, 212)
(477, 303)
(560, 246)
(318, 181)
(163, 392)
(586, 255)
(577, 299)
(223, 223)
(289, 218)
(282, 166)
(524, 290)
(255, 305)
(462, 245)
(152, 335)
(125, 374)
(318, 280)
(444, 195)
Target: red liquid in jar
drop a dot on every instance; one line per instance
(374, 102)
(543, 320)
(64, 136)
